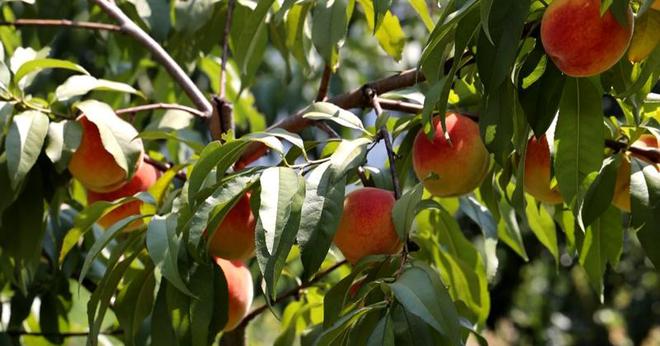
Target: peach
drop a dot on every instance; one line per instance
(366, 226)
(581, 42)
(621, 198)
(94, 166)
(144, 178)
(239, 288)
(538, 171)
(234, 237)
(460, 166)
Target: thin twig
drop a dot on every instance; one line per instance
(292, 292)
(159, 53)
(225, 47)
(385, 135)
(163, 167)
(153, 106)
(325, 83)
(62, 23)
(391, 155)
(363, 177)
(327, 129)
(400, 106)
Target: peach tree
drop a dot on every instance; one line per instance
(174, 170)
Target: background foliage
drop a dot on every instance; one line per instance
(494, 263)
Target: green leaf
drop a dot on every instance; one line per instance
(387, 28)
(603, 243)
(405, 209)
(40, 64)
(24, 141)
(459, 262)
(508, 229)
(329, 27)
(249, 38)
(598, 197)
(383, 334)
(422, 10)
(540, 100)
(156, 15)
(282, 195)
(83, 223)
(330, 335)
(348, 155)
(437, 99)
(482, 217)
(82, 84)
(22, 224)
(321, 211)
(426, 298)
(331, 112)
(484, 9)
(210, 213)
(380, 10)
(62, 141)
(496, 121)
(645, 206)
(135, 301)
(215, 156)
(120, 259)
(103, 241)
(495, 59)
(579, 136)
(119, 138)
(203, 307)
(542, 225)
(6, 110)
(163, 245)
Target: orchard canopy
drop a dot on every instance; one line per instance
(329, 172)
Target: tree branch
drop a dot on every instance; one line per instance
(325, 83)
(62, 23)
(290, 293)
(353, 99)
(153, 106)
(130, 28)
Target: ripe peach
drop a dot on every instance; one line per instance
(366, 226)
(144, 178)
(94, 166)
(538, 170)
(240, 290)
(621, 198)
(234, 237)
(460, 165)
(581, 42)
